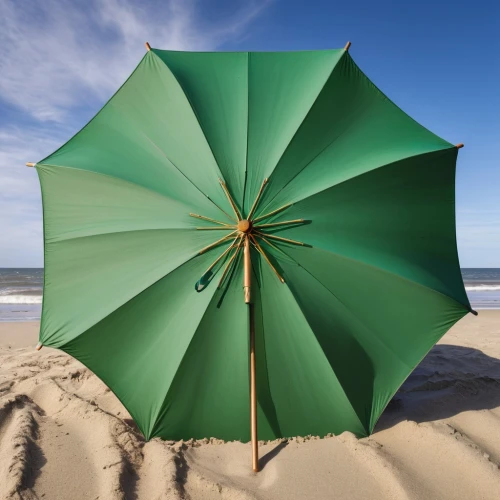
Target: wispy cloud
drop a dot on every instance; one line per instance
(60, 60)
(57, 53)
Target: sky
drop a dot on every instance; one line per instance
(61, 60)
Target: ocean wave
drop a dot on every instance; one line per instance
(20, 299)
(482, 288)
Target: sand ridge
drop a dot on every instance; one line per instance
(64, 435)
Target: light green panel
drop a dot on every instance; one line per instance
(147, 336)
(114, 205)
(283, 87)
(147, 134)
(210, 393)
(216, 84)
(88, 278)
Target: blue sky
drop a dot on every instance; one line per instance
(60, 60)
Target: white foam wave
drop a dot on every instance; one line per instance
(483, 288)
(20, 299)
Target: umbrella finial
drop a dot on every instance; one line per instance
(347, 45)
(147, 46)
(458, 146)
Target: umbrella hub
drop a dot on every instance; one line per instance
(244, 233)
(245, 226)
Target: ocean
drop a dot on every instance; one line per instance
(21, 291)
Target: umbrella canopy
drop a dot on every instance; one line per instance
(199, 155)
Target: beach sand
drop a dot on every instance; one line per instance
(64, 435)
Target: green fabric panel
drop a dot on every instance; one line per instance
(400, 218)
(351, 129)
(209, 396)
(137, 349)
(369, 319)
(89, 277)
(114, 205)
(216, 84)
(267, 416)
(147, 134)
(282, 89)
(307, 395)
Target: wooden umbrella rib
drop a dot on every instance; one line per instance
(216, 228)
(279, 238)
(202, 217)
(284, 223)
(230, 261)
(259, 194)
(265, 216)
(261, 251)
(232, 245)
(203, 250)
(230, 198)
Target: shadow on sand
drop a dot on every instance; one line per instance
(450, 380)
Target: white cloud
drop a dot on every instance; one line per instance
(60, 60)
(57, 53)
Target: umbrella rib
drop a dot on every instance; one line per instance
(279, 238)
(203, 250)
(261, 251)
(272, 245)
(216, 228)
(228, 265)
(202, 217)
(182, 173)
(284, 207)
(230, 198)
(221, 255)
(259, 194)
(284, 223)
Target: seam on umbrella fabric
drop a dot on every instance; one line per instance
(141, 186)
(316, 339)
(128, 300)
(368, 328)
(193, 109)
(248, 130)
(54, 240)
(303, 120)
(294, 202)
(381, 269)
(161, 408)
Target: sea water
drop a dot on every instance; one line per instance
(21, 291)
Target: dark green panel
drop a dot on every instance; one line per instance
(351, 129)
(400, 218)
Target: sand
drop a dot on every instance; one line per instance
(63, 435)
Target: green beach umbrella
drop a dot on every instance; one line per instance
(250, 236)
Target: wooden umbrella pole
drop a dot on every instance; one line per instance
(253, 389)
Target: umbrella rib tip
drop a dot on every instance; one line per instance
(30, 164)
(347, 45)
(458, 146)
(148, 47)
